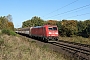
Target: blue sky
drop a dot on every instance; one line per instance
(22, 10)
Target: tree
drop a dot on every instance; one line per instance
(3, 22)
(35, 21)
(9, 17)
(80, 26)
(69, 27)
(59, 27)
(84, 28)
(51, 22)
(6, 23)
(88, 30)
(27, 23)
(10, 26)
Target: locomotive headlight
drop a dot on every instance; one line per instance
(50, 33)
(56, 33)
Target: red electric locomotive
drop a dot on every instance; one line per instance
(47, 32)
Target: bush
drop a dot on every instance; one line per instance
(8, 32)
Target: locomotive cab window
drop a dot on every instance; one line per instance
(52, 28)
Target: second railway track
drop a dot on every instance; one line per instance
(77, 50)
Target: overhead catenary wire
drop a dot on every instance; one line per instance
(61, 8)
(78, 15)
(71, 10)
(76, 11)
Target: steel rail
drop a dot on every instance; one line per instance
(79, 51)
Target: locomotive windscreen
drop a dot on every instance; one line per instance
(52, 28)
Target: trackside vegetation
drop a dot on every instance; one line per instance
(77, 39)
(6, 22)
(6, 25)
(8, 32)
(67, 28)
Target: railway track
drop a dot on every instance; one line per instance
(76, 50)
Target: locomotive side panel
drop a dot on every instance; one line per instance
(38, 31)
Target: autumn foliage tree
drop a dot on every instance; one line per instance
(5, 23)
(51, 22)
(69, 27)
(10, 26)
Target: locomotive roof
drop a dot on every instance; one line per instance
(38, 27)
(44, 26)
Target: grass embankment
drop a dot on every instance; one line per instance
(21, 48)
(77, 39)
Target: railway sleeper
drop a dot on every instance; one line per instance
(68, 50)
(76, 49)
(82, 56)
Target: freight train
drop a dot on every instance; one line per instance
(46, 33)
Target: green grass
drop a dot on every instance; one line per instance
(77, 39)
(8, 32)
